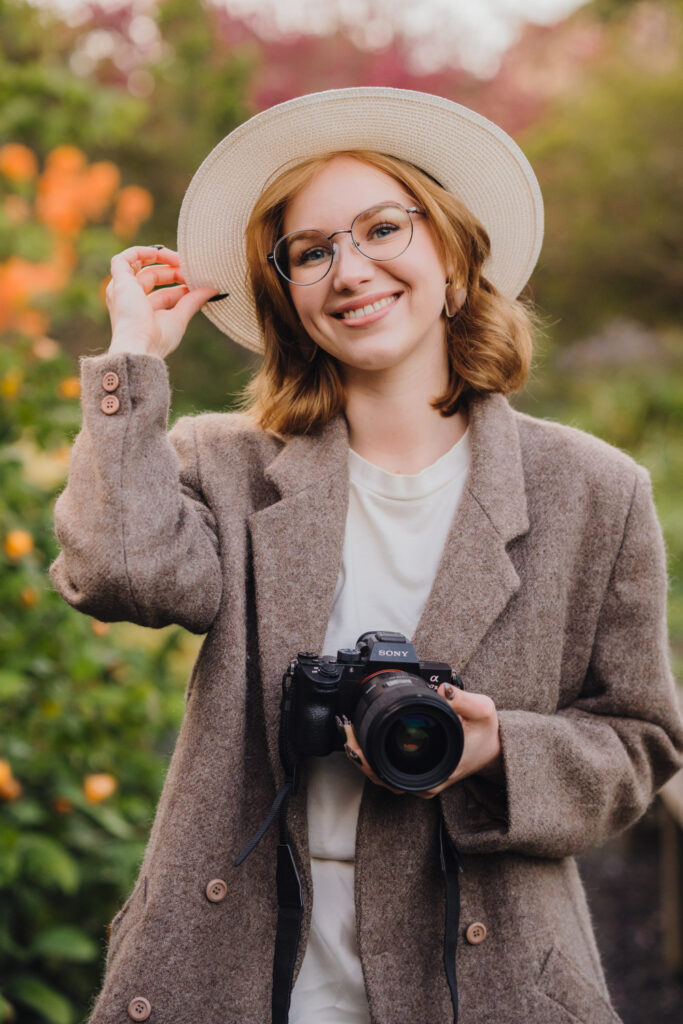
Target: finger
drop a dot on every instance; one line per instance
(167, 298)
(355, 754)
(151, 277)
(194, 300)
(469, 705)
(357, 757)
(133, 259)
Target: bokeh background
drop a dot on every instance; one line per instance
(106, 110)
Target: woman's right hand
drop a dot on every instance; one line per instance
(147, 321)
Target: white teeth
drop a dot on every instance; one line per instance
(353, 314)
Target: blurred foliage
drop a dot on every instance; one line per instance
(156, 100)
(608, 158)
(88, 711)
(634, 402)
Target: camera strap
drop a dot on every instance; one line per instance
(451, 866)
(290, 904)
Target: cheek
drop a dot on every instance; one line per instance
(302, 302)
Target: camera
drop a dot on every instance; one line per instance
(411, 737)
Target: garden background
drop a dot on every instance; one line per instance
(105, 113)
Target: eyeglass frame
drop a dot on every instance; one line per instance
(346, 231)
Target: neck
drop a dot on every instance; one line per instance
(393, 425)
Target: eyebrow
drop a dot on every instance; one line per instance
(407, 201)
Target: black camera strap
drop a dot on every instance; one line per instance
(290, 904)
(451, 865)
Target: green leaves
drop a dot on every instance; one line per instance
(33, 993)
(44, 860)
(65, 942)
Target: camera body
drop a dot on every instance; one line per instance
(411, 737)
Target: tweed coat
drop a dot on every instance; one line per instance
(549, 597)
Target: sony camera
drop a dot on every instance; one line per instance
(411, 737)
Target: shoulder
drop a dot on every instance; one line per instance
(573, 469)
(229, 436)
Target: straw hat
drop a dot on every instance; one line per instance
(469, 155)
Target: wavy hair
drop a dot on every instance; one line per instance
(298, 387)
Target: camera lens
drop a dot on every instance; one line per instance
(416, 743)
(411, 737)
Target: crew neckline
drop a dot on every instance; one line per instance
(409, 486)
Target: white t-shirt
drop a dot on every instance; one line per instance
(396, 529)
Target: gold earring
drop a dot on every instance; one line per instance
(453, 301)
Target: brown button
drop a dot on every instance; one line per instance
(216, 890)
(475, 933)
(139, 1008)
(110, 405)
(110, 381)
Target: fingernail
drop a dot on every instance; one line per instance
(448, 691)
(215, 298)
(355, 757)
(157, 246)
(340, 725)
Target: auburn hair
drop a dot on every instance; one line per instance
(298, 387)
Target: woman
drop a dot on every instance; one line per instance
(372, 242)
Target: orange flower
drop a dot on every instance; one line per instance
(62, 805)
(11, 789)
(70, 387)
(10, 383)
(99, 787)
(58, 205)
(102, 289)
(31, 322)
(98, 184)
(100, 628)
(17, 162)
(62, 455)
(30, 596)
(18, 543)
(45, 348)
(65, 160)
(134, 205)
(16, 209)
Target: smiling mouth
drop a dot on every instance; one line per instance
(373, 307)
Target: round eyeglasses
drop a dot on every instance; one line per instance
(381, 233)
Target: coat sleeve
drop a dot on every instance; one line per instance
(138, 541)
(574, 778)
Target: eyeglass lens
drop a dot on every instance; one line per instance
(382, 233)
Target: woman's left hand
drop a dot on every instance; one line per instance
(481, 753)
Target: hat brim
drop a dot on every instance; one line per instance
(469, 155)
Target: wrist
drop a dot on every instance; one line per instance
(134, 346)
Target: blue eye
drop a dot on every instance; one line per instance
(383, 230)
(311, 256)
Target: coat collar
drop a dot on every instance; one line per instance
(496, 478)
(297, 545)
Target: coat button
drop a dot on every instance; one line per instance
(139, 1008)
(216, 890)
(110, 381)
(475, 933)
(110, 405)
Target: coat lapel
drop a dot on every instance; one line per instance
(476, 578)
(297, 545)
(297, 549)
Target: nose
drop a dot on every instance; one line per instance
(350, 268)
